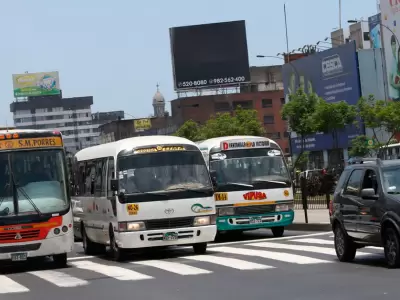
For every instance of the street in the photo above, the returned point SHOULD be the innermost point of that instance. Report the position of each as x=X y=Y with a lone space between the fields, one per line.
x=293 y=267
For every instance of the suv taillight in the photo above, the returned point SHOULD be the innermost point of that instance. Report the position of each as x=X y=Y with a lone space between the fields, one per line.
x=330 y=208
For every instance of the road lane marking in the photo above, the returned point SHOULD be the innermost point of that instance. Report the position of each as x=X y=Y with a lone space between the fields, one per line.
x=111 y=271
x=280 y=256
x=173 y=267
x=228 y=262
x=79 y=257
x=314 y=241
x=8 y=285
x=59 y=278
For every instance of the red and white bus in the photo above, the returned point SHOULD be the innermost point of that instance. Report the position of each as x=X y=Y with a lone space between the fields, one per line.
x=35 y=207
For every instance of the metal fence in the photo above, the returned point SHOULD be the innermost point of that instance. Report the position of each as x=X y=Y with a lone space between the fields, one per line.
x=304 y=201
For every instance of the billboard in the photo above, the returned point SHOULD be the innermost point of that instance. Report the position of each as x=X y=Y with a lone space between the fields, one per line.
x=332 y=75
x=142 y=124
x=374 y=24
x=209 y=55
x=36 y=84
x=390 y=15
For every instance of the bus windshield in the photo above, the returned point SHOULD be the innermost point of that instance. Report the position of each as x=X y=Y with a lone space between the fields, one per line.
x=164 y=171
x=250 y=167
x=34 y=180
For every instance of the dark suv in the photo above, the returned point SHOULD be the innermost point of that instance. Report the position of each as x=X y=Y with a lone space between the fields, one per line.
x=365 y=210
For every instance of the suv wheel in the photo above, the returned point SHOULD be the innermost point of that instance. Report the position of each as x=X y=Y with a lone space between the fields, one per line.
x=344 y=246
x=391 y=247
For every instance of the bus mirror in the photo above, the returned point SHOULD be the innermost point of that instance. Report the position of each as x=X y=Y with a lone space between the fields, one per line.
x=213 y=175
x=114 y=185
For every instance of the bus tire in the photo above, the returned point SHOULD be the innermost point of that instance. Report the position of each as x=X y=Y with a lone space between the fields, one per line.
x=278 y=231
x=89 y=247
x=117 y=254
x=60 y=260
x=200 y=248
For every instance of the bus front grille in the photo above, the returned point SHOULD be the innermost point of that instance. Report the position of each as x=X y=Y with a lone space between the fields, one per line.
x=19 y=236
x=169 y=223
x=254 y=210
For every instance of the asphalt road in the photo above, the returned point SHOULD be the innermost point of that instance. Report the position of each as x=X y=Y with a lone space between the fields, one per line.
x=296 y=267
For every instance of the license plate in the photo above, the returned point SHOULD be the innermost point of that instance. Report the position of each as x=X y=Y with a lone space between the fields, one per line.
x=19 y=256
x=170 y=236
x=256 y=220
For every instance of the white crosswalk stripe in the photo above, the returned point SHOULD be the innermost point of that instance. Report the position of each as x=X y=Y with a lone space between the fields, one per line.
x=59 y=278
x=9 y=286
x=280 y=256
x=264 y=255
x=173 y=267
x=110 y=271
x=228 y=262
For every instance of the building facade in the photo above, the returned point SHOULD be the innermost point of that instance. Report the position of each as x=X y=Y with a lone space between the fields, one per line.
x=71 y=116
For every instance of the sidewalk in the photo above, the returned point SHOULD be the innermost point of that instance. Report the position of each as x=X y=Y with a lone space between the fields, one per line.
x=318 y=220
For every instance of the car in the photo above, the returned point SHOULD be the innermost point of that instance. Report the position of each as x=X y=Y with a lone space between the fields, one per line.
x=365 y=210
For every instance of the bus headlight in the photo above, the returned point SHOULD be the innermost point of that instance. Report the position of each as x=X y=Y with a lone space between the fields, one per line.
x=131 y=226
x=226 y=211
x=283 y=207
x=201 y=221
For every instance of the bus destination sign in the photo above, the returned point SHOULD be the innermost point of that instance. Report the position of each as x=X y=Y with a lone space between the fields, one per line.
x=244 y=144
x=160 y=149
x=42 y=142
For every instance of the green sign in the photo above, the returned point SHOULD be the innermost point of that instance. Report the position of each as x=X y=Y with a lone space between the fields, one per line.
x=36 y=84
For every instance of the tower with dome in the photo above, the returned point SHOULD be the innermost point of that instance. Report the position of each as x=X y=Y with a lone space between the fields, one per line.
x=158 y=104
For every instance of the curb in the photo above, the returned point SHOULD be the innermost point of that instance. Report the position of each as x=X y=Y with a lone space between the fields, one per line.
x=310 y=227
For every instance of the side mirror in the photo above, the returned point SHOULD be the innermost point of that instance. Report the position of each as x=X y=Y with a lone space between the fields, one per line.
x=213 y=175
x=369 y=194
x=114 y=185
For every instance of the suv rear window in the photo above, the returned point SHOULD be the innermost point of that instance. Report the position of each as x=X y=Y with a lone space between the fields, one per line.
x=342 y=180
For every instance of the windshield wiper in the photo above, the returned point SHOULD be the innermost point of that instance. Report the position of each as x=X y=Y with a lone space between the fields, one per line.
x=200 y=191
x=271 y=181
x=236 y=183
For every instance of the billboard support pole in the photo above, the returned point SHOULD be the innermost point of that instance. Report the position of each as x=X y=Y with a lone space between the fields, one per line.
x=340 y=14
x=286 y=29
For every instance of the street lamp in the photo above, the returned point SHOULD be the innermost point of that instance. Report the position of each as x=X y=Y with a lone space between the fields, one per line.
x=364 y=21
x=280 y=57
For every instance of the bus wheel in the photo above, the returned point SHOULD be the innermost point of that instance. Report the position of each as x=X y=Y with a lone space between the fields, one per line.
x=60 y=260
x=117 y=253
x=90 y=247
x=200 y=248
x=278 y=231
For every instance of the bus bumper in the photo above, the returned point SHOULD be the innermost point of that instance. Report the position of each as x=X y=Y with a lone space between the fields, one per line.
x=50 y=246
x=269 y=220
x=154 y=238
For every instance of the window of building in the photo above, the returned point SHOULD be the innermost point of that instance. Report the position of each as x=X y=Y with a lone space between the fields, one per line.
x=282 y=101
x=269 y=120
x=248 y=104
x=40 y=110
x=274 y=135
x=266 y=103
x=287 y=150
x=286 y=134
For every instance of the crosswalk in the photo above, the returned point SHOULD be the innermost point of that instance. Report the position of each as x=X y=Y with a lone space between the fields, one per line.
x=245 y=256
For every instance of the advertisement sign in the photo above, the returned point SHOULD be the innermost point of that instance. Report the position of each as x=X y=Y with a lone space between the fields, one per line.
x=209 y=55
x=390 y=15
x=36 y=84
x=332 y=75
x=142 y=124
x=374 y=24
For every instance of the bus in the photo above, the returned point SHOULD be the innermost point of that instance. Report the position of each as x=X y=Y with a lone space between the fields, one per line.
x=253 y=186
x=35 y=207
x=142 y=192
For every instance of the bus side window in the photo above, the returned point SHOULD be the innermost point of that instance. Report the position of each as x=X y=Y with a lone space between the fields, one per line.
x=103 y=192
x=89 y=177
x=110 y=175
x=99 y=177
x=81 y=179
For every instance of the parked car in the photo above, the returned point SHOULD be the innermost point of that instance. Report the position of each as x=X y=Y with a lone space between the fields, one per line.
x=365 y=210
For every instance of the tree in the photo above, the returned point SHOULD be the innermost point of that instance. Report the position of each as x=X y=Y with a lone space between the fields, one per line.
x=332 y=117
x=298 y=112
x=360 y=147
x=380 y=115
x=190 y=130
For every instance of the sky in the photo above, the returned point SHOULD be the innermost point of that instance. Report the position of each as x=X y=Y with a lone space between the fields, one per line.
x=117 y=51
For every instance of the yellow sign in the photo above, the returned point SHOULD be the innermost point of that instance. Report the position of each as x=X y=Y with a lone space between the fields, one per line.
x=221 y=196
x=286 y=193
x=142 y=124
x=132 y=209
x=160 y=149
x=45 y=142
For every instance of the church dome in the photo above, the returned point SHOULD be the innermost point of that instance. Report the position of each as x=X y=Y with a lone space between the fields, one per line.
x=158 y=98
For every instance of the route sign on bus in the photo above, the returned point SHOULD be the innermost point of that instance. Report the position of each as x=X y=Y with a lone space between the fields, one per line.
x=42 y=142
x=244 y=144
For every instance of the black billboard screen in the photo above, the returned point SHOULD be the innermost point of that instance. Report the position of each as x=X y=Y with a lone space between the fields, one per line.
x=209 y=55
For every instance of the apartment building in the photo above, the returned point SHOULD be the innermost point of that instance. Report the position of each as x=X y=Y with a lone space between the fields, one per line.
x=71 y=116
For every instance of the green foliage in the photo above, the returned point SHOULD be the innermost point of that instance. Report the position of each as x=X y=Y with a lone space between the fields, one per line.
x=299 y=111
x=380 y=114
x=331 y=117
x=360 y=148
x=243 y=122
